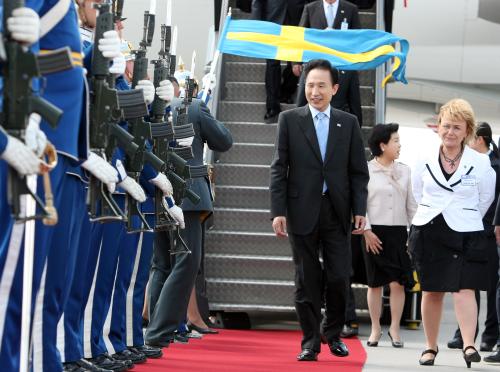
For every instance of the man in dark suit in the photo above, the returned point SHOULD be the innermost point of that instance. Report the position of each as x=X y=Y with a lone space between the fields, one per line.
x=283 y=12
x=319 y=178
x=169 y=296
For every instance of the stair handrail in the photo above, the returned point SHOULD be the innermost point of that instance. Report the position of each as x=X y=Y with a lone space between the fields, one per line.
x=209 y=154
x=380 y=72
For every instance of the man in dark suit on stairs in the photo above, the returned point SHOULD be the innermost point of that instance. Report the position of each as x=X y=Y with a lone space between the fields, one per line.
x=283 y=12
x=319 y=178
x=334 y=14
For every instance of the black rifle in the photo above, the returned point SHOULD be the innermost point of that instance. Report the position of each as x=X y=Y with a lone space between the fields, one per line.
x=19 y=67
x=140 y=129
x=105 y=113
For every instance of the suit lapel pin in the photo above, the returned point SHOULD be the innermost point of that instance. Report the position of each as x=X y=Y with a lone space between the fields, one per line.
x=342 y=11
x=339 y=125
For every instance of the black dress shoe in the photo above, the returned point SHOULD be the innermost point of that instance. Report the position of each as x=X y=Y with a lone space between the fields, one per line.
x=73 y=367
x=456 y=343
x=180 y=338
x=90 y=367
x=307 y=355
x=136 y=358
x=149 y=351
x=104 y=361
x=338 y=348
x=203 y=331
x=349 y=330
x=125 y=356
x=486 y=346
x=271 y=116
x=493 y=358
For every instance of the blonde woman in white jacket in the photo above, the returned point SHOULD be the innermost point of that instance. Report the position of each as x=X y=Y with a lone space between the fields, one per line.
x=453 y=186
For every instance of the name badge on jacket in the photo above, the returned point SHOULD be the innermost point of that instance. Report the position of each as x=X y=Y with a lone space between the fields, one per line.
x=344 y=25
x=468 y=180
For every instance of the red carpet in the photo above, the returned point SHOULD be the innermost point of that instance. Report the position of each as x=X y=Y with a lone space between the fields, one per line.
x=252 y=351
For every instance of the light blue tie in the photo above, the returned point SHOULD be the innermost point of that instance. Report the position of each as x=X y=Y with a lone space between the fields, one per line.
x=322 y=126
x=329 y=16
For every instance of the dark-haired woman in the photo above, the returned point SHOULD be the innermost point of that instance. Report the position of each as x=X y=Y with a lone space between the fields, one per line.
x=390 y=208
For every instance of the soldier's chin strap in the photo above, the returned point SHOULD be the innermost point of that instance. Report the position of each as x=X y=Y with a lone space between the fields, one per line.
x=50 y=19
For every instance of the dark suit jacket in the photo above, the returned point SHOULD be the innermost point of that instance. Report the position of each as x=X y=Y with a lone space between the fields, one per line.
x=347 y=97
x=313 y=15
x=283 y=12
x=297 y=171
x=492 y=216
x=207 y=130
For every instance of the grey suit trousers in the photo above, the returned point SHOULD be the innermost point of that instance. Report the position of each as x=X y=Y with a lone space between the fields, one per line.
x=169 y=293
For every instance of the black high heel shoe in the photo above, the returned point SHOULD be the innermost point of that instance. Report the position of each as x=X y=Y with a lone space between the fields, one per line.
x=374 y=343
x=396 y=344
x=472 y=357
x=203 y=331
x=428 y=362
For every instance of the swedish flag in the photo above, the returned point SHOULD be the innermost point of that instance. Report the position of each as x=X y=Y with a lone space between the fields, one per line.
x=345 y=49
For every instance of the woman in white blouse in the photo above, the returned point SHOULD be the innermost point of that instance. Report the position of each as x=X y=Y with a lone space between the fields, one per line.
x=390 y=208
x=454 y=187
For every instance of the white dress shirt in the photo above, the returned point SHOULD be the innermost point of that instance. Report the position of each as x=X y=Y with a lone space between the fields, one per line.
x=463 y=199
x=335 y=7
x=390 y=197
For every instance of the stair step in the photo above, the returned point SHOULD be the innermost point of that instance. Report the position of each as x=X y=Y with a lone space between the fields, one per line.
x=225 y=266
x=241 y=292
x=246 y=243
x=242 y=175
x=253 y=295
x=253 y=70
x=256 y=92
x=242 y=197
x=252 y=132
x=248 y=153
x=255 y=111
x=239 y=219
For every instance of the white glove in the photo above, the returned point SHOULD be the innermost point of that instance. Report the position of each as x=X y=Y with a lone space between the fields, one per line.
x=174 y=211
x=186 y=142
x=210 y=80
x=165 y=91
x=133 y=189
x=128 y=184
x=35 y=139
x=20 y=157
x=24 y=25
x=161 y=181
x=110 y=44
x=102 y=170
x=118 y=66
x=148 y=89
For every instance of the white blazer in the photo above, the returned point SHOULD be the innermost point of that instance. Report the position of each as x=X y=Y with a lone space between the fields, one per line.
x=463 y=199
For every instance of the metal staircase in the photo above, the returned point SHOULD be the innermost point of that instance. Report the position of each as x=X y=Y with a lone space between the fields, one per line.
x=247 y=267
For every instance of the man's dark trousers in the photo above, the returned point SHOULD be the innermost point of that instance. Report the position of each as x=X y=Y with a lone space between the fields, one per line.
x=309 y=274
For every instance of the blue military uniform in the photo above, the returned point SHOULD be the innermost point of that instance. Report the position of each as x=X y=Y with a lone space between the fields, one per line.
x=11 y=254
x=54 y=255
x=65 y=89
x=114 y=277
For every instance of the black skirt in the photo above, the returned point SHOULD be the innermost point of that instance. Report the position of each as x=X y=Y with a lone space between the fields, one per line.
x=393 y=263
x=447 y=260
